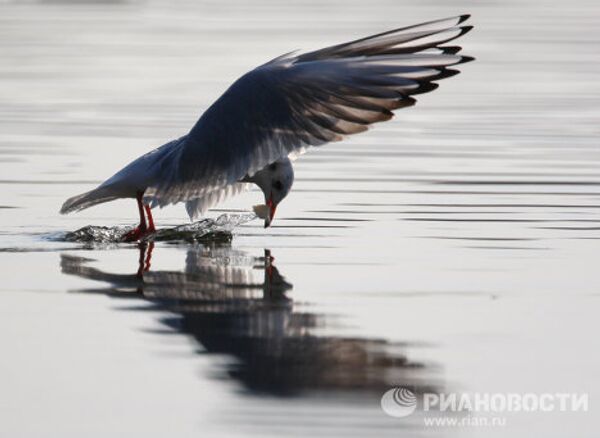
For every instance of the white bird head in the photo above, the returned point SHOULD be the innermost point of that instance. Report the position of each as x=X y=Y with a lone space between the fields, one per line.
x=275 y=180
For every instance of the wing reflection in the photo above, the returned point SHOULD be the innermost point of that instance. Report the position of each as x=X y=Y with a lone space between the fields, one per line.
x=237 y=304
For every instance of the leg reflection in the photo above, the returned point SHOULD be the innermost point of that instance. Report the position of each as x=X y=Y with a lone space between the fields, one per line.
x=145 y=258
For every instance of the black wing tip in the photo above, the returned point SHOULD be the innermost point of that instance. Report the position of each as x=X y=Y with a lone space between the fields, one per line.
x=387 y=113
x=424 y=87
x=446 y=73
x=403 y=101
x=464 y=30
x=465 y=59
x=464 y=17
x=408 y=101
x=450 y=50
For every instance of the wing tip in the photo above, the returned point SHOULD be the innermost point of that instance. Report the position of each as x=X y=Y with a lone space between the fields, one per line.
x=425 y=87
x=462 y=18
x=450 y=50
x=464 y=59
x=445 y=73
x=406 y=101
x=465 y=29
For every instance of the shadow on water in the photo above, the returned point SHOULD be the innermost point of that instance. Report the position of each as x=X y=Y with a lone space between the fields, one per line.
x=237 y=304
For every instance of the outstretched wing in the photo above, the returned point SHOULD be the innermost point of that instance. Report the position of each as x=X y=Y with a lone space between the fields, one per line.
x=293 y=102
x=198 y=206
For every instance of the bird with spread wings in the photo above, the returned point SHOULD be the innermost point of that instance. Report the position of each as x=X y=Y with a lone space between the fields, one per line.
x=275 y=112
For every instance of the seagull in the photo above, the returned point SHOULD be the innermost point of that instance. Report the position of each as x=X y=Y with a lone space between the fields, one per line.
x=273 y=113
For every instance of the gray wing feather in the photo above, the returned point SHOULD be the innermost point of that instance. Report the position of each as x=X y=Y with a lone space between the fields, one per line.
x=294 y=102
x=198 y=206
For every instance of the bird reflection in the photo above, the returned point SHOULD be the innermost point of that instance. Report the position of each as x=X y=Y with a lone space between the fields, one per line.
x=237 y=304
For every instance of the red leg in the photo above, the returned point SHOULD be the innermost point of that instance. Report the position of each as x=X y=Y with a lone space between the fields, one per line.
x=141 y=229
x=151 y=228
x=142 y=225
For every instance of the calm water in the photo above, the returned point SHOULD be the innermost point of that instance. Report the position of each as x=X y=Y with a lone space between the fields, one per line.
x=453 y=249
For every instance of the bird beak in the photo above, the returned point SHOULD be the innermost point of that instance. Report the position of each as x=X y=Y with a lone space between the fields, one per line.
x=271 y=215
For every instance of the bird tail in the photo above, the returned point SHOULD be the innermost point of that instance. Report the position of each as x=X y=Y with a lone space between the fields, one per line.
x=88 y=199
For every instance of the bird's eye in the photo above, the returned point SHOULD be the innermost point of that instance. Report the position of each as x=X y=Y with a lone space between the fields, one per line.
x=272 y=166
x=277 y=185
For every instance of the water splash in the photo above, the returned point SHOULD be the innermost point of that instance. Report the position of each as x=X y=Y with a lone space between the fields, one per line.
x=205 y=230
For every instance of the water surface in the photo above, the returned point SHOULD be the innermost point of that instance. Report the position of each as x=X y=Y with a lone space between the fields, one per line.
x=452 y=249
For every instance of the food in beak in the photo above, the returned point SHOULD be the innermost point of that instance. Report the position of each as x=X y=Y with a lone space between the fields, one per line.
x=266 y=212
x=262 y=211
